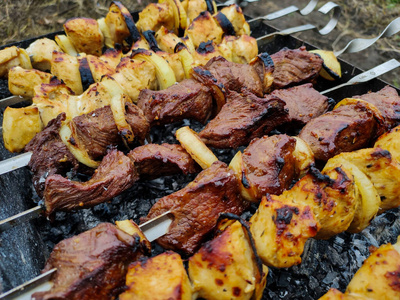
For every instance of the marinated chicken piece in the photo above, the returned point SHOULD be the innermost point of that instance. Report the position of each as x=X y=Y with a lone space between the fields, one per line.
x=387 y=101
x=85 y=35
x=187 y=100
x=243 y=118
x=304 y=103
x=116 y=173
x=120 y=24
x=239 y=49
x=93 y=264
x=378 y=277
x=228 y=267
x=280 y=229
x=22 y=81
x=12 y=57
x=66 y=68
x=390 y=141
x=159 y=277
x=134 y=75
x=197 y=207
x=99 y=67
x=346 y=128
x=155 y=15
x=152 y=160
x=267 y=165
x=175 y=63
x=294 y=67
x=49 y=155
x=97 y=130
x=204 y=28
x=225 y=75
x=167 y=40
x=194 y=8
x=383 y=171
x=204 y=53
x=40 y=52
x=235 y=15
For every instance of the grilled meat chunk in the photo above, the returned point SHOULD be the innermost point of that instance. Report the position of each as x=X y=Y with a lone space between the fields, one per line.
x=187 y=100
x=152 y=160
x=226 y=75
x=197 y=207
x=93 y=264
x=49 y=155
x=269 y=165
x=97 y=130
x=115 y=174
x=294 y=67
x=159 y=277
x=388 y=102
x=304 y=103
x=244 y=117
x=346 y=128
x=40 y=52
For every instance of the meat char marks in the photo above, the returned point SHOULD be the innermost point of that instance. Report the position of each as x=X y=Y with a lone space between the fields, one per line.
x=294 y=67
x=197 y=207
x=187 y=100
x=115 y=174
x=244 y=117
x=93 y=264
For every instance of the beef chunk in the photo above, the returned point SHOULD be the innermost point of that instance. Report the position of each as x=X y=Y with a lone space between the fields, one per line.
x=197 y=207
x=49 y=155
x=244 y=117
x=115 y=174
x=388 y=102
x=304 y=103
x=345 y=129
x=269 y=165
x=187 y=100
x=92 y=265
x=294 y=67
x=152 y=160
x=97 y=130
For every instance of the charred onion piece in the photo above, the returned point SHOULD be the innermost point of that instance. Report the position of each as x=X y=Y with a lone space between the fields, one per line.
x=225 y=24
x=186 y=59
x=180 y=16
x=331 y=69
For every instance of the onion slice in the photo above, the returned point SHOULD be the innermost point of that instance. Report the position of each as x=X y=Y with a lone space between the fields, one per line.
x=66 y=45
x=186 y=59
x=180 y=16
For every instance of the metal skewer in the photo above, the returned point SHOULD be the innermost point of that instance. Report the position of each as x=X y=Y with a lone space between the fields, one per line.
x=152 y=229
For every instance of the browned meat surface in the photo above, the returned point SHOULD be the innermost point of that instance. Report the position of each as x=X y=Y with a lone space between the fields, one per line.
x=304 y=103
x=187 y=100
x=152 y=160
x=97 y=130
x=49 y=155
x=345 y=129
x=92 y=265
x=268 y=164
x=388 y=102
x=244 y=117
x=229 y=75
x=115 y=174
x=197 y=207
x=294 y=67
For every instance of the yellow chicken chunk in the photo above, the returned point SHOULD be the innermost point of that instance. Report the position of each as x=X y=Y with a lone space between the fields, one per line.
x=85 y=35
x=204 y=28
x=12 y=57
x=235 y=14
x=66 y=68
x=40 y=52
x=390 y=141
x=22 y=82
x=154 y=16
x=159 y=277
x=226 y=268
x=240 y=49
x=14 y=120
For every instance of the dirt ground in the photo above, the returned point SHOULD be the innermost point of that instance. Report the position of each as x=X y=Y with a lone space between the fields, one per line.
x=360 y=19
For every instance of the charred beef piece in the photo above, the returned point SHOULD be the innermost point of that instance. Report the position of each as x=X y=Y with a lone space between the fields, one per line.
x=49 y=155
x=152 y=160
x=244 y=117
x=388 y=102
x=115 y=174
x=346 y=128
x=92 y=265
x=304 y=103
x=197 y=207
x=269 y=164
x=229 y=75
x=97 y=130
x=187 y=100
x=294 y=67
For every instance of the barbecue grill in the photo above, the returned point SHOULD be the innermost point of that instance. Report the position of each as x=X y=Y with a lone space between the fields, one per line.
x=332 y=263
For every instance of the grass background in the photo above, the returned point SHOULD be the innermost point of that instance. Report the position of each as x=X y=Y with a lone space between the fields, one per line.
x=360 y=19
